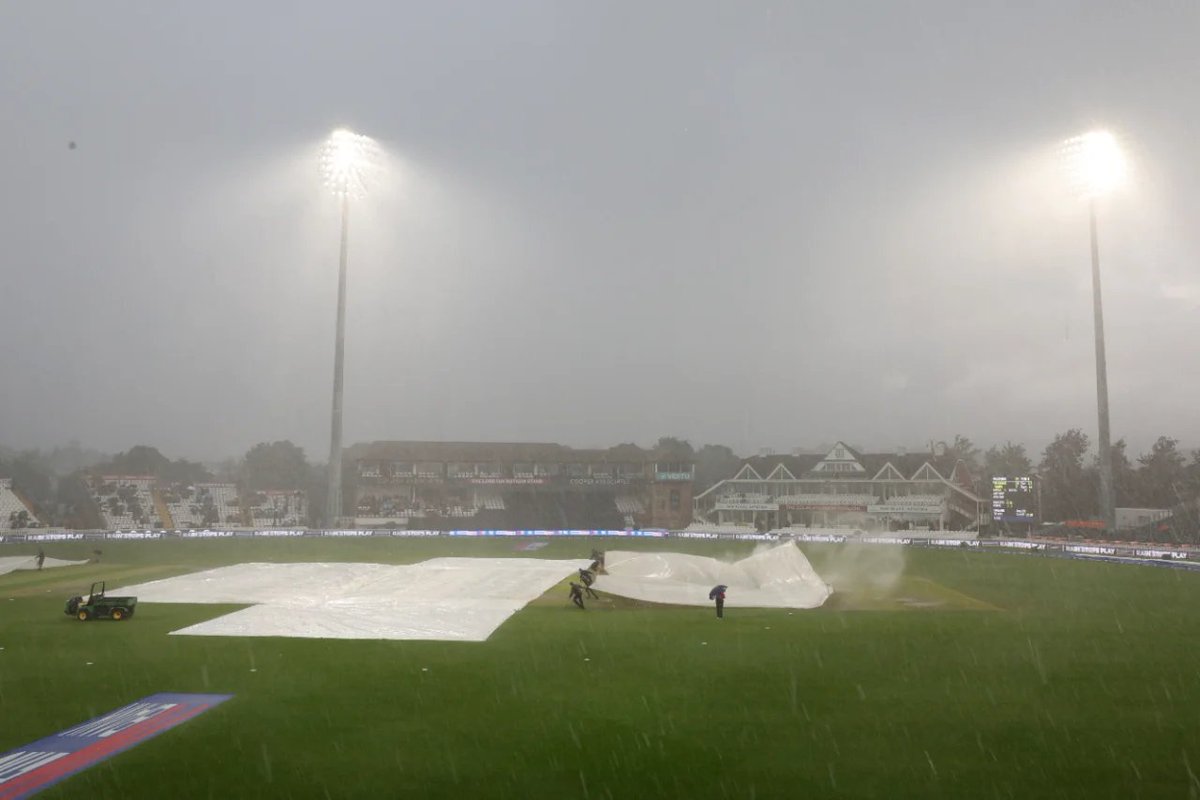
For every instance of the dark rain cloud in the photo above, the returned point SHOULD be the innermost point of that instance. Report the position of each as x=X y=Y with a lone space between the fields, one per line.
x=757 y=223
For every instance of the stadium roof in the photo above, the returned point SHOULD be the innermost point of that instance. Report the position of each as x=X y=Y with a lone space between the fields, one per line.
x=544 y=452
x=803 y=466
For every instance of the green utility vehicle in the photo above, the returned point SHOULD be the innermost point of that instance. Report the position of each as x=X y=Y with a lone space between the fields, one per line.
x=99 y=606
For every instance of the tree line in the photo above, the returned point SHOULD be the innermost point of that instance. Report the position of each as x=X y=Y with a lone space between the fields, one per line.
x=55 y=481
x=1069 y=473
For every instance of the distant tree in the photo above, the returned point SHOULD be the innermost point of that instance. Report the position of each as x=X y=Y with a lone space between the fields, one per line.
x=226 y=471
x=965 y=450
x=1009 y=460
x=317 y=488
x=714 y=462
x=79 y=509
x=1193 y=475
x=64 y=461
x=184 y=471
x=1066 y=491
x=32 y=479
x=275 y=465
x=1127 y=489
x=671 y=447
x=1162 y=476
x=138 y=460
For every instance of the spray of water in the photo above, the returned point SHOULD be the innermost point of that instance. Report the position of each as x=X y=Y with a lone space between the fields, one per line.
x=858 y=568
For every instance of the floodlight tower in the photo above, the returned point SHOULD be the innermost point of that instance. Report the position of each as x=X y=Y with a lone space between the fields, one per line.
x=347 y=160
x=1098 y=166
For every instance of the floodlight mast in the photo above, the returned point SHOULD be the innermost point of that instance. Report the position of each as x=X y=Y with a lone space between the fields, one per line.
x=1098 y=167
x=346 y=161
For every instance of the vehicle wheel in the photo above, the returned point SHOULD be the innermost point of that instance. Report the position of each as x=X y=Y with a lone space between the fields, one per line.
x=83 y=615
x=118 y=614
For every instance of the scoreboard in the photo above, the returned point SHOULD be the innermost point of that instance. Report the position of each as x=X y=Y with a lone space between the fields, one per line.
x=1014 y=499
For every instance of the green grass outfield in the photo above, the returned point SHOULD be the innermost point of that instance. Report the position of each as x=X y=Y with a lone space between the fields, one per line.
x=978 y=675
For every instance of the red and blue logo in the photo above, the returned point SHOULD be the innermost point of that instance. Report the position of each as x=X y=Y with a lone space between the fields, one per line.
x=31 y=768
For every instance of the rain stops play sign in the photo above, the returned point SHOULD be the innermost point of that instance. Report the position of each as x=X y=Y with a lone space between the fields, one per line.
x=31 y=768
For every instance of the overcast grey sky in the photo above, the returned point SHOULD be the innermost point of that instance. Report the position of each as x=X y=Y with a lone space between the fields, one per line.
x=762 y=224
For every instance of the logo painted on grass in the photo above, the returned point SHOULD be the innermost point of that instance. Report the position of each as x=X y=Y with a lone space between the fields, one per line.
x=31 y=768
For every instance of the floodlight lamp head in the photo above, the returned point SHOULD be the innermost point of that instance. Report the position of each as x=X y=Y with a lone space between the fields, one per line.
x=348 y=163
x=1095 y=163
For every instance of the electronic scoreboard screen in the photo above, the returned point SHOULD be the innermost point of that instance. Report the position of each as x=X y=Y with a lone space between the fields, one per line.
x=1014 y=499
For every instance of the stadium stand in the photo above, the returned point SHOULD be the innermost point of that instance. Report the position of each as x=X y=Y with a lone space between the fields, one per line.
x=831 y=500
x=282 y=508
x=629 y=505
x=519 y=486
x=126 y=502
x=844 y=488
x=204 y=505
x=1180 y=526
x=14 y=512
x=490 y=501
x=916 y=499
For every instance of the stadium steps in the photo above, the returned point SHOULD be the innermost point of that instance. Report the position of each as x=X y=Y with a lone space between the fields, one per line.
x=29 y=505
x=164 y=513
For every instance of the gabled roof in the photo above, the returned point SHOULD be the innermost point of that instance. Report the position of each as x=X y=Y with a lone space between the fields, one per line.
x=961 y=476
x=927 y=473
x=801 y=466
x=797 y=465
x=781 y=473
x=747 y=473
x=888 y=473
x=850 y=451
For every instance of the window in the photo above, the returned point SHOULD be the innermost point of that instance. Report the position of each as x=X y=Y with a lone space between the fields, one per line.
x=458 y=469
x=674 y=499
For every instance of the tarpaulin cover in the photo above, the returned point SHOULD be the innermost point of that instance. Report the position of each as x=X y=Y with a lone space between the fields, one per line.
x=779 y=577
x=457 y=599
x=13 y=563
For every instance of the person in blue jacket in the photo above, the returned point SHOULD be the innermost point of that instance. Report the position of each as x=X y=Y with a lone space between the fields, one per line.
x=718 y=594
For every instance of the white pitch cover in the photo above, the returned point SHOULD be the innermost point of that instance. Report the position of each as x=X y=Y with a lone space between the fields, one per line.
x=448 y=599
x=14 y=563
x=778 y=577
